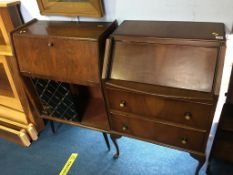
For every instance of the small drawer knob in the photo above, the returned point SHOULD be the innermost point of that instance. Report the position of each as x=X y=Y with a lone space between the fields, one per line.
x=184 y=141
x=125 y=128
x=188 y=116
x=22 y=31
x=123 y=104
x=50 y=44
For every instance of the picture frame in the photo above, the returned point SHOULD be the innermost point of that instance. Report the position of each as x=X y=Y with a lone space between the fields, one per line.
x=88 y=8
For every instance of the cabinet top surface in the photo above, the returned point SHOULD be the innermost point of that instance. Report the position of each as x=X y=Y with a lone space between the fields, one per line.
x=8 y=3
x=79 y=30
x=172 y=29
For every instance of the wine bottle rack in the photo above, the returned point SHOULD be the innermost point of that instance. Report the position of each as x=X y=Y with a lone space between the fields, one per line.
x=56 y=99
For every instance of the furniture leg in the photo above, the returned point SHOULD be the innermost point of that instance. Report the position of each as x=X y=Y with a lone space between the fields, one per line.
x=201 y=161
x=200 y=164
x=208 y=169
x=106 y=140
x=114 y=138
x=52 y=127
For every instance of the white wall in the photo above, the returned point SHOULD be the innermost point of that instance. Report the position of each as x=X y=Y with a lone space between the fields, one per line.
x=174 y=10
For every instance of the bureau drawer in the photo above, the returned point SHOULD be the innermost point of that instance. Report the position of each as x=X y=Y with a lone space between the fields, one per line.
x=62 y=59
x=187 y=113
x=165 y=134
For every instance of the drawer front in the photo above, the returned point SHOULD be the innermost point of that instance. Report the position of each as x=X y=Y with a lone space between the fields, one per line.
x=165 y=134
x=66 y=60
x=187 y=113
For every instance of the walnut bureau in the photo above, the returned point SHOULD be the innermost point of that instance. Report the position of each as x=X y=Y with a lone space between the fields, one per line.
x=18 y=121
x=161 y=81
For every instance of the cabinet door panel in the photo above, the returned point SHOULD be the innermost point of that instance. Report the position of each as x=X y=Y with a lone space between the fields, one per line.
x=67 y=60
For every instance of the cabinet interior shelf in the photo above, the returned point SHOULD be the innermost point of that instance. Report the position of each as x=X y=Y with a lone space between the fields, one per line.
x=71 y=104
x=94 y=117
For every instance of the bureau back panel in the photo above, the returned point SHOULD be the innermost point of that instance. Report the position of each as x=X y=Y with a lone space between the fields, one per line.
x=186 y=67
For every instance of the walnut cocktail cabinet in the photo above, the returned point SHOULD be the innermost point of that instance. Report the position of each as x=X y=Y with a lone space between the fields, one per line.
x=18 y=122
x=161 y=81
x=62 y=66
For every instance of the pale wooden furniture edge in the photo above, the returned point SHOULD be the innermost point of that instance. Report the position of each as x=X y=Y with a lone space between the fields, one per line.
x=9 y=3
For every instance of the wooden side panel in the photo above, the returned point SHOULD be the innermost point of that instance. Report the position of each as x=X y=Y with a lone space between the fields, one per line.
x=12 y=99
x=22 y=96
x=2 y=41
x=5 y=87
x=219 y=70
x=14 y=106
x=13 y=115
x=107 y=59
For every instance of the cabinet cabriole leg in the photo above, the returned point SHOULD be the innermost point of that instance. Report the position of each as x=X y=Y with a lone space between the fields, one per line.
x=106 y=140
x=114 y=138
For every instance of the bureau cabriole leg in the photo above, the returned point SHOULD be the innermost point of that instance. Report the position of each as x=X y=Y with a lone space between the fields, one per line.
x=114 y=138
x=201 y=161
x=106 y=140
x=200 y=164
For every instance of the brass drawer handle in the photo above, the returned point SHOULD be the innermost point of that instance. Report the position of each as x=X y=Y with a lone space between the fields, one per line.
x=184 y=141
x=123 y=104
x=188 y=116
x=125 y=128
x=50 y=44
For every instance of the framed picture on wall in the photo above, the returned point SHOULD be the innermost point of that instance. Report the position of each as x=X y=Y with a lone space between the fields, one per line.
x=89 y=8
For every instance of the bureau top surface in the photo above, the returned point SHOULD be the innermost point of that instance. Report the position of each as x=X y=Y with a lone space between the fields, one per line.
x=78 y=30
x=172 y=29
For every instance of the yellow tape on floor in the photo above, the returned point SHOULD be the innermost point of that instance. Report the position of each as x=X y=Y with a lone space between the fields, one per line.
x=68 y=164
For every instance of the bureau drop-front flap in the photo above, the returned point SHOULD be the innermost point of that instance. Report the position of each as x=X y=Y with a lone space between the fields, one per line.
x=64 y=51
x=172 y=54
